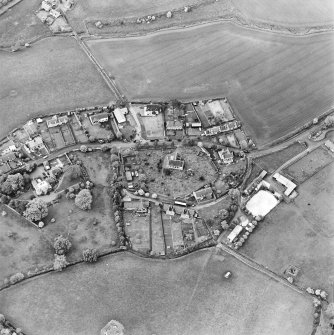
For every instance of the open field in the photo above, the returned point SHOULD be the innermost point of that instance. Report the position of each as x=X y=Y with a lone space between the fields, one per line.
x=221 y=59
x=310 y=164
x=185 y=296
x=273 y=161
x=288 y=12
x=300 y=234
x=52 y=76
x=21 y=24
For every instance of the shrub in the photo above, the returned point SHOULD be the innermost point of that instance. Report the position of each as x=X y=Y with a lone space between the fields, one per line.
x=36 y=210
x=61 y=245
x=84 y=199
x=16 y=278
x=2 y=319
x=60 y=262
x=89 y=255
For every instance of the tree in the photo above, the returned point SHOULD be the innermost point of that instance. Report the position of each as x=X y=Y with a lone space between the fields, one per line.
x=84 y=199
x=36 y=210
x=113 y=158
x=62 y=245
x=89 y=255
x=92 y=138
x=75 y=171
x=83 y=148
x=60 y=262
x=201 y=178
x=18 y=205
x=330 y=310
x=12 y=184
x=56 y=171
x=329 y=121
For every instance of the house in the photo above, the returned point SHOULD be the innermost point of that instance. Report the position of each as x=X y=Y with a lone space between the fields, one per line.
x=9 y=147
x=30 y=128
x=173 y=162
x=169 y=209
x=46 y=6
x=174 y=125
x=56 y=121
x=120 y=114
x=290 y=186
x=128 y=175
x=212 y=131
x=136 y=205
x=226 y=156
x=54 y=13
x=234 y=233
x=203 y=194
x=41 y=187
x=329 y=145
x=99 y=118
x=35 y=144
x=151 y=110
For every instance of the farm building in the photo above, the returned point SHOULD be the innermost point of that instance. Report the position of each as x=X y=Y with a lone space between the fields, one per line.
x=234 y=233
x=329 y=145
x=120 y=114
x=290 y=186
x=262 y=203
x=99 y=118
x=203 y=194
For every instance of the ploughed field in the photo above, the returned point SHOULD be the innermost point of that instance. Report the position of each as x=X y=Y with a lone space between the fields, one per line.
x=288 y=12
x=53 y=75
x=187 y=296
x=276 y=83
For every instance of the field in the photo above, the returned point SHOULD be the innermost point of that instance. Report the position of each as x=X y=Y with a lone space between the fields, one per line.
x=53 y=75
x=221 y=59
x=185 y=296
x=21 y=24
x=300 y=234
x=310 y=164
x=273 y=161
x=288 y=12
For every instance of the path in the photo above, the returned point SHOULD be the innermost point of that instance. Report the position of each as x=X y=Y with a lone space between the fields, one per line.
x=252 y=264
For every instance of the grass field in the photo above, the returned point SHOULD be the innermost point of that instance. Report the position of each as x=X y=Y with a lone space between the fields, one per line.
x=288 y=12
x=273 y=161
x=300 y=233
x=186 y=296
x=52 y=76
x=310 y=164
x=21 y=24
x=267 y=78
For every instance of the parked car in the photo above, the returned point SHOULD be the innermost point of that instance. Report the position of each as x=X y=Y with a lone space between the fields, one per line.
x=227 y=274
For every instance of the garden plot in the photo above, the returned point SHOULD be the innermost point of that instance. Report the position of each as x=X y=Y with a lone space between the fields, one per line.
x=57 y=137
x=167 y=228
x=309 y=165
x=79 y=133
x=99 y=131
x=158 y=241
x=67 y=134
x=153 y=126
x=201 y=231
x=137 y=228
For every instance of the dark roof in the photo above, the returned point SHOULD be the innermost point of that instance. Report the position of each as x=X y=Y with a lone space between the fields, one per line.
x=176 y=163
x=154 y=108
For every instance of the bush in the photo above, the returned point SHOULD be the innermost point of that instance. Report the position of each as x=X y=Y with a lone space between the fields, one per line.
x=36 y=210
x=62 y=245
x=89 y=255
x=16 y=278
x=60 y=262
x=84 y=199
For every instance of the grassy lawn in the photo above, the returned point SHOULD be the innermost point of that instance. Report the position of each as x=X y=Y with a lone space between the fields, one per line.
x=21 y=24
x=178 y=184
x=56 y=65
x=191 y=63
x=185 y=296
x=310 y=164
x=273 y=161
x=300 y=233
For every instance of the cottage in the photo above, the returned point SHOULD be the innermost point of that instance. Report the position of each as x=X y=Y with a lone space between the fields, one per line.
x=203 y=194
x=120 y=114
x=99 y=118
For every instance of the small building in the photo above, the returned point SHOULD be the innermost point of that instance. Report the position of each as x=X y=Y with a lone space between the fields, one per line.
x=212 y=131
x=56 y=121
x=41 y=187
x=54 y=13
x=9 y=147
x=290 y=186
x=234 y=233
x=136 y=205
x=113 y=327
x=99 y=118
x=173 y=162
x=203 y=194
x=329 y=145
x=128 y=175
x=46 y=6
x=35 y=144
x=30 y=128
x=151 y=110
x=120 y=114
x=226 y=156
x=169 y=209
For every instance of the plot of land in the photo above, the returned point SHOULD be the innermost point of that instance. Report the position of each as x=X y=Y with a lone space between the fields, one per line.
x=288 y=12
x=310 y=164
x=273 y=161
x=300 y=234
x=54 y=75
x=153 y=126
x=225 y=60
x=158 y=242
x=186 y=296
